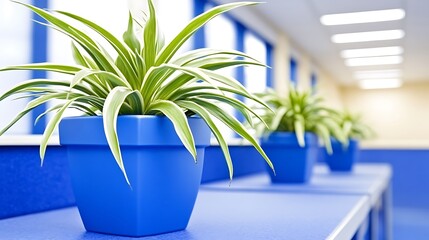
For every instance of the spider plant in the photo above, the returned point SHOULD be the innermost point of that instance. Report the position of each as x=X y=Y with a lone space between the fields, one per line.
x=145 y=77
x=352 y=126
x=298 y=112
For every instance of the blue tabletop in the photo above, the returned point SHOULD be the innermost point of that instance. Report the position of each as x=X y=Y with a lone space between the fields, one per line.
x=368 y=179
x=224 y=214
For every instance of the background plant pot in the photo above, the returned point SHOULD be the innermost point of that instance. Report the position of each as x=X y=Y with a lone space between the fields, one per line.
x=293 y=164
x=163 y=175
x=245 y=157
x=342 y=159
x=25 y=187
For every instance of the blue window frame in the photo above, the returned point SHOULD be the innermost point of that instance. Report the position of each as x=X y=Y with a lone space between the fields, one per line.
x=39 y=53
x=293 y=66
x=199 y=37
x=269 y=62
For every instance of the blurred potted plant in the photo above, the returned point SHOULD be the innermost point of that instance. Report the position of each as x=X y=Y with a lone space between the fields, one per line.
x=345 y=155
x=291 y=142
x=149 y=110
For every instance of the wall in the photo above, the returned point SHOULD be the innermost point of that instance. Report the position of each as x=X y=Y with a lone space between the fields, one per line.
x=330 y=90
x=327 y=86
x=397 y=115
x=281 y=63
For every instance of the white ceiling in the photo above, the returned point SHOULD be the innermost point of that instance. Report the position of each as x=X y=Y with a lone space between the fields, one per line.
x=299 y=19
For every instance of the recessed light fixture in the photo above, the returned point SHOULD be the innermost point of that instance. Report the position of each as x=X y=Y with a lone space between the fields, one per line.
x=368 y=36
x=354 y=62
x=372 y=52
x=380 y=83
x=362 y=17
x=388 y=73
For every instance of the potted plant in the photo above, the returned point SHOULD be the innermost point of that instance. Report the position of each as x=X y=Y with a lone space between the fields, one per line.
x=291 y=142
x=136 y=154
x=345 y=155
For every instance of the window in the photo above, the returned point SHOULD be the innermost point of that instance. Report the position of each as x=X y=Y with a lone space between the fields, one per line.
x=59 y=49
x=15 y=49
x=60 y=45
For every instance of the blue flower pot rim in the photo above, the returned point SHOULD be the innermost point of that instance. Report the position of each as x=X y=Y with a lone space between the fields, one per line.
x=289 y=138
x=132 y=130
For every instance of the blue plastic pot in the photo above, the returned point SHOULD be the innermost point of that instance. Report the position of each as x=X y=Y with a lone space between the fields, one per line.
x=163 y=175
x=343 y=159
x=293 y=164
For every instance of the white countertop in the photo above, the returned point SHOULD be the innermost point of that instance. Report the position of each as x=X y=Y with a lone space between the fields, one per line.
x=27 y=140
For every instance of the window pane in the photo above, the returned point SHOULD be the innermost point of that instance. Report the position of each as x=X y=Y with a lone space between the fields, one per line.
x=59 y=49
x=255 y=76
x=173 y=16
x=221 y=34
x=15 y=49
x=60 y=45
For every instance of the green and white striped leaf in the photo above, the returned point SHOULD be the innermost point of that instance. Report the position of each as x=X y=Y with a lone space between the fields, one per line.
x=204 y=114
x=150 y=30
x=234 y=125
x=300 y=131
x=52 y=125
x=180 y=122
x=112 y=106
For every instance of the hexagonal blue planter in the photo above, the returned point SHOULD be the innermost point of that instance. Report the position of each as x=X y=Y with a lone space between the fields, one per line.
x=163 y=175
x=293 y=164
x=343 y=159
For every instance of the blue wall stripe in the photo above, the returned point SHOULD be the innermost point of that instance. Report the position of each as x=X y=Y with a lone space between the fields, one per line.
x=410 y=174
x=39 y=54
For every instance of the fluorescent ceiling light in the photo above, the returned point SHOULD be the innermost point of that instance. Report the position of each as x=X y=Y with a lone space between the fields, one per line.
x=354 y=62
x=390 y=73
x=372 y=52
x=363 y=17
x=368 y=36
x=380 y=83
